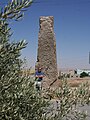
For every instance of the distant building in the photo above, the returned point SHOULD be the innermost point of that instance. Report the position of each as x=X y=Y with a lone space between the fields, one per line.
x=84 y=70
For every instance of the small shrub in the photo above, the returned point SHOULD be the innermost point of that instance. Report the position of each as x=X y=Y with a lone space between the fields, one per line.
x=84 y=74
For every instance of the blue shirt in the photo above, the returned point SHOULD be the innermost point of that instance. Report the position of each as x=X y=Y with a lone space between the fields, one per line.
x=39 y=76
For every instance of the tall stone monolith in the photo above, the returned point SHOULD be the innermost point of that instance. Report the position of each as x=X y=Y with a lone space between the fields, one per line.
x=46 y=56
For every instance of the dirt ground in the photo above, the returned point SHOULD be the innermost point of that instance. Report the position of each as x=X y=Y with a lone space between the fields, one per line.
x=73 y=82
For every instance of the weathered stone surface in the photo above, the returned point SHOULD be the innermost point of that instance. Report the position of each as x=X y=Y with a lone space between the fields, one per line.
x=46 y=57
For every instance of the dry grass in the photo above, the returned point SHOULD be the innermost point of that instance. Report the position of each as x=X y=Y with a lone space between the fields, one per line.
x=72 y=83
x=75 y=82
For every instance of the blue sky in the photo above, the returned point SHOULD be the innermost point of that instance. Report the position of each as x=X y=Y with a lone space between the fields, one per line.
x=71 y=27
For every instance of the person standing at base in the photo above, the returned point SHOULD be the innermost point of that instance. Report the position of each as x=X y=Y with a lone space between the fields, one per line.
x=38 y=78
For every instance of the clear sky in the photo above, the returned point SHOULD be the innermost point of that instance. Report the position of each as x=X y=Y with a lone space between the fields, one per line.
x=71 y=27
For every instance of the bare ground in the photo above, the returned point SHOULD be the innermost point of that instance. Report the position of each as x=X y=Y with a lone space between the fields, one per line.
x=73 y=82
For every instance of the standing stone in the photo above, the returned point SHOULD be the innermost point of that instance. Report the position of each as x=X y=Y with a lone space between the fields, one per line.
x=46 y=57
